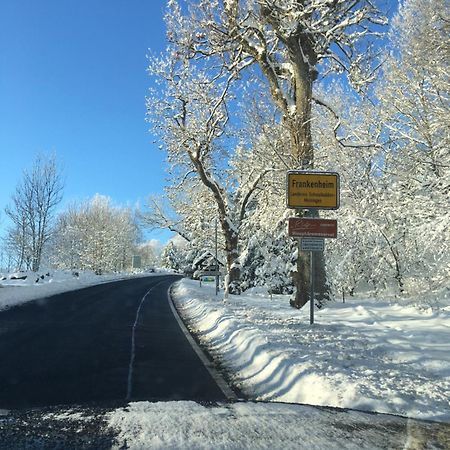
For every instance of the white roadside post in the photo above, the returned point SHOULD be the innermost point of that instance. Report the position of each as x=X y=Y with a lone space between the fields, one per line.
x=312 y=190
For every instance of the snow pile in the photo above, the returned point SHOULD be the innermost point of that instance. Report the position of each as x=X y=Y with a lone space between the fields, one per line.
x=20 y=287
x=188 y=425
x=364 y=354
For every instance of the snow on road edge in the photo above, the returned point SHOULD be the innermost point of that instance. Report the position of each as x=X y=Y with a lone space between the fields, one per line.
x=16 y=292
x=188 y=425
x=368 y=355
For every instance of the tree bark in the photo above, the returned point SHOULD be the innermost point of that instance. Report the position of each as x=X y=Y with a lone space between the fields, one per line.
x=232 y=252
x=299 y=125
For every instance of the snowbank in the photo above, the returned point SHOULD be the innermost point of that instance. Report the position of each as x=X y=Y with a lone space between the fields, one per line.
x=365 y=354
x=240 y=426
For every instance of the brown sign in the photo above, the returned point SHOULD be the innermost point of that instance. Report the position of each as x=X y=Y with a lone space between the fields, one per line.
x=309 y=227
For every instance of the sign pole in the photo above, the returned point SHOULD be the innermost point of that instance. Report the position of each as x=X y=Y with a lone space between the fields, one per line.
x=311 y=282
x=311 y=190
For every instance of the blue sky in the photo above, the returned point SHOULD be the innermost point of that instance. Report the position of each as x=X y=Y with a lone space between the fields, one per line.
x=73 y=81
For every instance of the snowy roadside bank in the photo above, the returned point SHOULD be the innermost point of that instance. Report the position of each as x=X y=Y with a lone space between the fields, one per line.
x=15 y=291
x=365 y=354
x=185 y=425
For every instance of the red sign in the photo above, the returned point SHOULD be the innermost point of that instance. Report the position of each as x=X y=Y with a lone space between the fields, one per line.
x=308 y=227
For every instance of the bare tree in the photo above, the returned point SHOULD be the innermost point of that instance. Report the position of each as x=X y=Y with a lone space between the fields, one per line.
x=32 y=211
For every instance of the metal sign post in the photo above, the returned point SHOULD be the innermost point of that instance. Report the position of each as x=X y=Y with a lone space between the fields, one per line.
x=312 y=245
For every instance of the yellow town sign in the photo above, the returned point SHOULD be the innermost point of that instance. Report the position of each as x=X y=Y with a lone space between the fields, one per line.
x=312 y=190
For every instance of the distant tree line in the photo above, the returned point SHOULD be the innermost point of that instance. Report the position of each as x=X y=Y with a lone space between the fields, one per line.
x=95 y=235
x=91 y=235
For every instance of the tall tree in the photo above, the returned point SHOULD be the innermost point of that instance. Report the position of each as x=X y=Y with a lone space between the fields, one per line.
x=394 y=215
x=32 y=211
x=293 y=43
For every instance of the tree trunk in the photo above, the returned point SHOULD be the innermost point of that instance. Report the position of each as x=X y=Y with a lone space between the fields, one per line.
x=230 y=232
x=234 y=273
x=299 y=125
x=232 y=285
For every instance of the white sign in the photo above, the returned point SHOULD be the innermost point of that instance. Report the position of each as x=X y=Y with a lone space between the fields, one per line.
x=312 y=244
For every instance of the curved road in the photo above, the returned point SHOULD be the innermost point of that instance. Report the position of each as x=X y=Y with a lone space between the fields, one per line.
x=102 y=346
x=109 y=343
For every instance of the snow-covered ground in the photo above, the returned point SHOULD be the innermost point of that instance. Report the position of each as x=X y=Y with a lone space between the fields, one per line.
x=14 y=291
x=240 y=426
x=365 y=354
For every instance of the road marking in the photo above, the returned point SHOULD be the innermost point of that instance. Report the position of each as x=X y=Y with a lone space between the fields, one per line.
x=217 y=377
x=133 y=341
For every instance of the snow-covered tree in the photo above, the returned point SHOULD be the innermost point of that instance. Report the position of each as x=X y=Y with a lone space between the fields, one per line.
x=96 y=236
x=293 y=44
x=149 y=251
x=393 y=211
x=178 y=254
x=191 y=116
x=188 y=209
x=415 y=99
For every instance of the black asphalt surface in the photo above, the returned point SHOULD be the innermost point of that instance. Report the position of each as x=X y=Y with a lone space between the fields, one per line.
x=76 y=348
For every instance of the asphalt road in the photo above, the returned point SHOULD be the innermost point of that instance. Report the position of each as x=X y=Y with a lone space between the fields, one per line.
x=68 y=361
x=109 y=343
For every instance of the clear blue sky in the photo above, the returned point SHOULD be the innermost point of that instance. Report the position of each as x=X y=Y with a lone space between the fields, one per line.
x=73 y=81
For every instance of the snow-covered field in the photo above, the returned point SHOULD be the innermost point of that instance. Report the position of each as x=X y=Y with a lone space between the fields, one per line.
x=14 y=291
x=365 y=354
